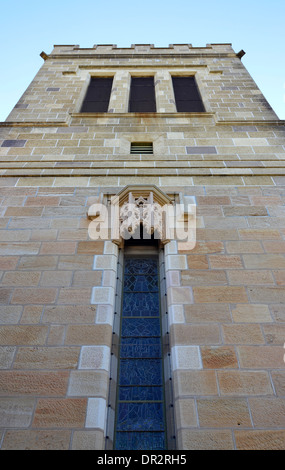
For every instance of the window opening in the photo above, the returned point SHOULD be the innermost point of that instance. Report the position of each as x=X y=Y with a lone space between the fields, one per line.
x=140 y=410
x=98 y=95
x=142 y=95
x=145 y=148
x=187 y=95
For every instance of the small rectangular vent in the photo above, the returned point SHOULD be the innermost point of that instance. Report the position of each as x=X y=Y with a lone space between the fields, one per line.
x=141 y=148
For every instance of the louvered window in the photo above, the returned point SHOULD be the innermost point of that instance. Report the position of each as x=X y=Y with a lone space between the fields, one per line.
x=98 y=95
x=187 y=95
x=141 y=148
x=142 y=95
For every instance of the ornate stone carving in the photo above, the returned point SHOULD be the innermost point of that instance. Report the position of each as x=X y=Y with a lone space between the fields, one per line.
x=140 y=211
x=141 y=206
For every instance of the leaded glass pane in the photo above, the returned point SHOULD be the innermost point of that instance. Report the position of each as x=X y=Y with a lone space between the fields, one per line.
x=140 y=372
x=140 y=417
x=140 y=407
x=141 y=304
x=140 y=347
x=141 y=283
x=141 y=393
x=140 y=441
x=137 y=327
x=140 y=266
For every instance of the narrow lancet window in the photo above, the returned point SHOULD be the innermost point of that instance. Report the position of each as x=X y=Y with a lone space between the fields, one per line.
x=140 y=410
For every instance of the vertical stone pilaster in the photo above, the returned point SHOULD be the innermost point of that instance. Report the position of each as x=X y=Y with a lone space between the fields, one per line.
x=94 y=367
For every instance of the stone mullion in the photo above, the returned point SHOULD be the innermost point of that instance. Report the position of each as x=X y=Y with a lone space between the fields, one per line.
x=120 y=93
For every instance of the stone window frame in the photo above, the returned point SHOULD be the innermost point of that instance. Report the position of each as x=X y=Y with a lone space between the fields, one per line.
x=200 y=86
x=86 y=74
x=88 y=78
x=142 y=75
x=174 y=296
x=157 y=253
x=166 y=318
x=149 y=72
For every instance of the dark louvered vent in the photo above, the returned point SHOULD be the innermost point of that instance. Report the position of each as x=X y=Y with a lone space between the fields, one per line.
x=141 y=148
x=98 y=95
x=142 y=95
x=187 y=95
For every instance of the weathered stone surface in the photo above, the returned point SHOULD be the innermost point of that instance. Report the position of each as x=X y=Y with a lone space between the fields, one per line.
x=224 y=291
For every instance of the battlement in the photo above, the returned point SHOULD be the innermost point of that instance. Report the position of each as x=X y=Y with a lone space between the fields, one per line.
x=222 y=48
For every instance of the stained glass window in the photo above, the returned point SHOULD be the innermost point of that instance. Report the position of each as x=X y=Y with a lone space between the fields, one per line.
x=140 y=420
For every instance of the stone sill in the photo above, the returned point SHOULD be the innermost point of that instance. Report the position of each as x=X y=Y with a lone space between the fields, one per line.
x=143 y=172
x=228 y=122
x=144 y=115
x=33 y=124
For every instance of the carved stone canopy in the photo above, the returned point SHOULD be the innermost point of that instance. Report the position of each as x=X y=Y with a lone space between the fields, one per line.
x=140 y=212
x=142 y=191
x=141 y=206
x=122 y=216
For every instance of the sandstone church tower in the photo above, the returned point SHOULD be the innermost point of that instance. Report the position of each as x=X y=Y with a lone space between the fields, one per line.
x=142 y=254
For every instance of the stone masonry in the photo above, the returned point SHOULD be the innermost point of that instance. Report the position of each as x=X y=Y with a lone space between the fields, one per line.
x=225 y=297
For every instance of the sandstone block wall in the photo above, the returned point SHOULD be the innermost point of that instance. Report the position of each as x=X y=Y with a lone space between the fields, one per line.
x=225 y=298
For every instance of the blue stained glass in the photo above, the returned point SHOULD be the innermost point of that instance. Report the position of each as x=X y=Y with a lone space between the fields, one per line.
x=140 y=441
x=141 y=393
x=141 y=283
x=139 y=327
x=140 y=347
x=140 y=372
x=140 y=409
x=140 y=304
x=140 y=266
x=140 y=417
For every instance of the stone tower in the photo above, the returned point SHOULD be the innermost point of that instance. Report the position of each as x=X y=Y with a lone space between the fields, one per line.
x=156 y=341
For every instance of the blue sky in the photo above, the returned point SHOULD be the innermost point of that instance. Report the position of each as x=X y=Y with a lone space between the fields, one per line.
x=29 y=27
